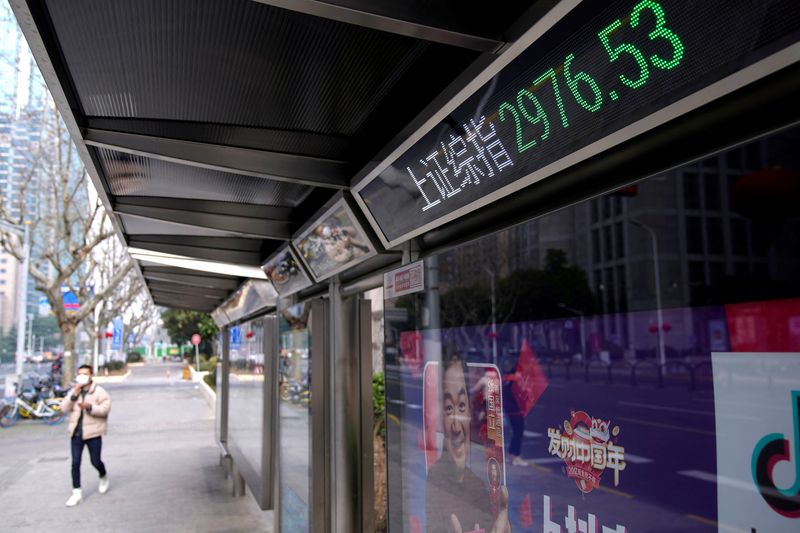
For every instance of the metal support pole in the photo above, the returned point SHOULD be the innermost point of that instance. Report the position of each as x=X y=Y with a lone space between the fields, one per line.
x=662 y=356
x=22 y=301
x=196 y=358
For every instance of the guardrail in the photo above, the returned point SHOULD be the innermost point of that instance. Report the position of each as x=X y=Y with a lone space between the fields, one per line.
x=640 y=372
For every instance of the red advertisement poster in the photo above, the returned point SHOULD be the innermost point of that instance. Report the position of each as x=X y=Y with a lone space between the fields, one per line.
x=463 y=429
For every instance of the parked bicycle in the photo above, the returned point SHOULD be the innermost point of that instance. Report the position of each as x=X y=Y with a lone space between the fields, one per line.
x=46 y=409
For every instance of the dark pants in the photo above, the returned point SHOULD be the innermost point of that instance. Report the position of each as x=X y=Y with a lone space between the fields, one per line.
x=517 y=429
x=94 y=445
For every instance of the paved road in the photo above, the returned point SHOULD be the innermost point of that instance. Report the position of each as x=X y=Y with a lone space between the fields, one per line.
x=161 y=458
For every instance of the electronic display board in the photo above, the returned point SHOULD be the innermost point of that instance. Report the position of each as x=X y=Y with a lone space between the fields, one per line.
x=602 y=69
x=285 y=272
x=334 y=242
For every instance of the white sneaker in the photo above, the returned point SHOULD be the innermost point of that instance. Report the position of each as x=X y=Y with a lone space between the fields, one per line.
x=103 y=485
x=76 y=498
x=519 y=461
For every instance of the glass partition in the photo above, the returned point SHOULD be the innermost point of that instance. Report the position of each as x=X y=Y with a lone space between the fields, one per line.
x=629 y=363
x=246 y=399
x=295 y=418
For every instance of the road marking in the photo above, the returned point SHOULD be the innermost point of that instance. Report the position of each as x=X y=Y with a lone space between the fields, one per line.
x=721 y=480
x=629 y=458
x=545 y=460
x=615 y=492
x=637 y=459
x=542 y=469
x=413 y=406
x=531 y=434
x=725 y=527
x=668 y=426
x=684 y=410
x=662 y=408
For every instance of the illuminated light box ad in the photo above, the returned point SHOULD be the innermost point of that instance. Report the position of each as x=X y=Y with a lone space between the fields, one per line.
x=333 y=243
x=594 y=455
x=603 y=67
x=286 y=273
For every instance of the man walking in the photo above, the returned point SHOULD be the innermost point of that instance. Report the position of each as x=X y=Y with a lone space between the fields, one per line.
x=88 y=405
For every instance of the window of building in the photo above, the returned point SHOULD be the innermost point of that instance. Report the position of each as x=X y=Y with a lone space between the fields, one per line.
x=691 y=190
x=739 y=236
x=694 y=235
x=716 y=240
x=620 y=239
x=712 y=193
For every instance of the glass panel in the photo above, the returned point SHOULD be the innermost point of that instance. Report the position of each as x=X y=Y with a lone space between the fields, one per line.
x=246 y=400
x=555 y=394
x=295 y=418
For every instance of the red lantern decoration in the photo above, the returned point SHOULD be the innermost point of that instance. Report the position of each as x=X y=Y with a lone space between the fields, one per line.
x=667 y=327
x=250 y=335
x=109 y=334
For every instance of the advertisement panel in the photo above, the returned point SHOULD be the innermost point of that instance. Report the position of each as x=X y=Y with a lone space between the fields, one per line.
x=757 y=404
x=523 y=449
x=333 y=243
x=286 y=273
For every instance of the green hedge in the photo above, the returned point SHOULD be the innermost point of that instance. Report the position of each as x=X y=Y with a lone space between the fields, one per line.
x=211 y=378
x=114 y=365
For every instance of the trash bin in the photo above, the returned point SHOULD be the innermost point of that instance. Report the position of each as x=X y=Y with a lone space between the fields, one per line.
x=187 y=374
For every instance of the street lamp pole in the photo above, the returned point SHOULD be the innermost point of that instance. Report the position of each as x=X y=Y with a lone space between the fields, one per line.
x=659 y=317
x=494 y=317
x=582 y=334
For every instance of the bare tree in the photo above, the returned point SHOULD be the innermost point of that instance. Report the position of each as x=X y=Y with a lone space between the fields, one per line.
x=67 y=223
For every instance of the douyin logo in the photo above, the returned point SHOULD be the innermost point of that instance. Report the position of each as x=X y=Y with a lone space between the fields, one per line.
x=771 y=450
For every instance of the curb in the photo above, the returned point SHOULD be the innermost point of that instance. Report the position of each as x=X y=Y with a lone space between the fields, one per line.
x=208 y=393
x=112 y=379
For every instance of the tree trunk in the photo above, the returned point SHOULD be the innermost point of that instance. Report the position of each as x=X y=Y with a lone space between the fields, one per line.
x=70 y=356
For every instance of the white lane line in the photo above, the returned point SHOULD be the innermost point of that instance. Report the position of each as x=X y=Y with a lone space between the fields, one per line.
x=721 y=480
x=637 y=459
x=545 y=460
x=686 y=411
x=663 y=408
x=629 y=458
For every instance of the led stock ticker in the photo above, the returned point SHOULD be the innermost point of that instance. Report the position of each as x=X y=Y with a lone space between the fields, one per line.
x=604 y=66
x=578 y=82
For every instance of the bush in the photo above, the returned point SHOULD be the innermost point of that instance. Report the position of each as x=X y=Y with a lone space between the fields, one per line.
x=134 y=357
x=211 y=378
x=114 y=365
x=378 y=403
x=209 y=365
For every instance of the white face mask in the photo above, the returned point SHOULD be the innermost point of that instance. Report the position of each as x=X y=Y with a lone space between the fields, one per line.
x=82 y=379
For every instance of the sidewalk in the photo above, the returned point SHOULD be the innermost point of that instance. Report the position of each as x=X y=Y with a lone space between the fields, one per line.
x=162 y=463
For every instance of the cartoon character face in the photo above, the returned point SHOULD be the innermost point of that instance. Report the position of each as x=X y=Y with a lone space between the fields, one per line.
x=599 y=430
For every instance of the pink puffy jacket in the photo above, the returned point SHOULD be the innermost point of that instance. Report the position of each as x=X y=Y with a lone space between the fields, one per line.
x=95 y=422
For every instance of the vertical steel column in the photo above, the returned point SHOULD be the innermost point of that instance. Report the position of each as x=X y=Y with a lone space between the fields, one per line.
x=269 y=419
x=366 y=426
x=350 y=412
x=225 y=381
x=320 y=420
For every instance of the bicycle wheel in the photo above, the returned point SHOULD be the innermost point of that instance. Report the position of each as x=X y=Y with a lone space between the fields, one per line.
x=58 y=415
x=8 y=415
